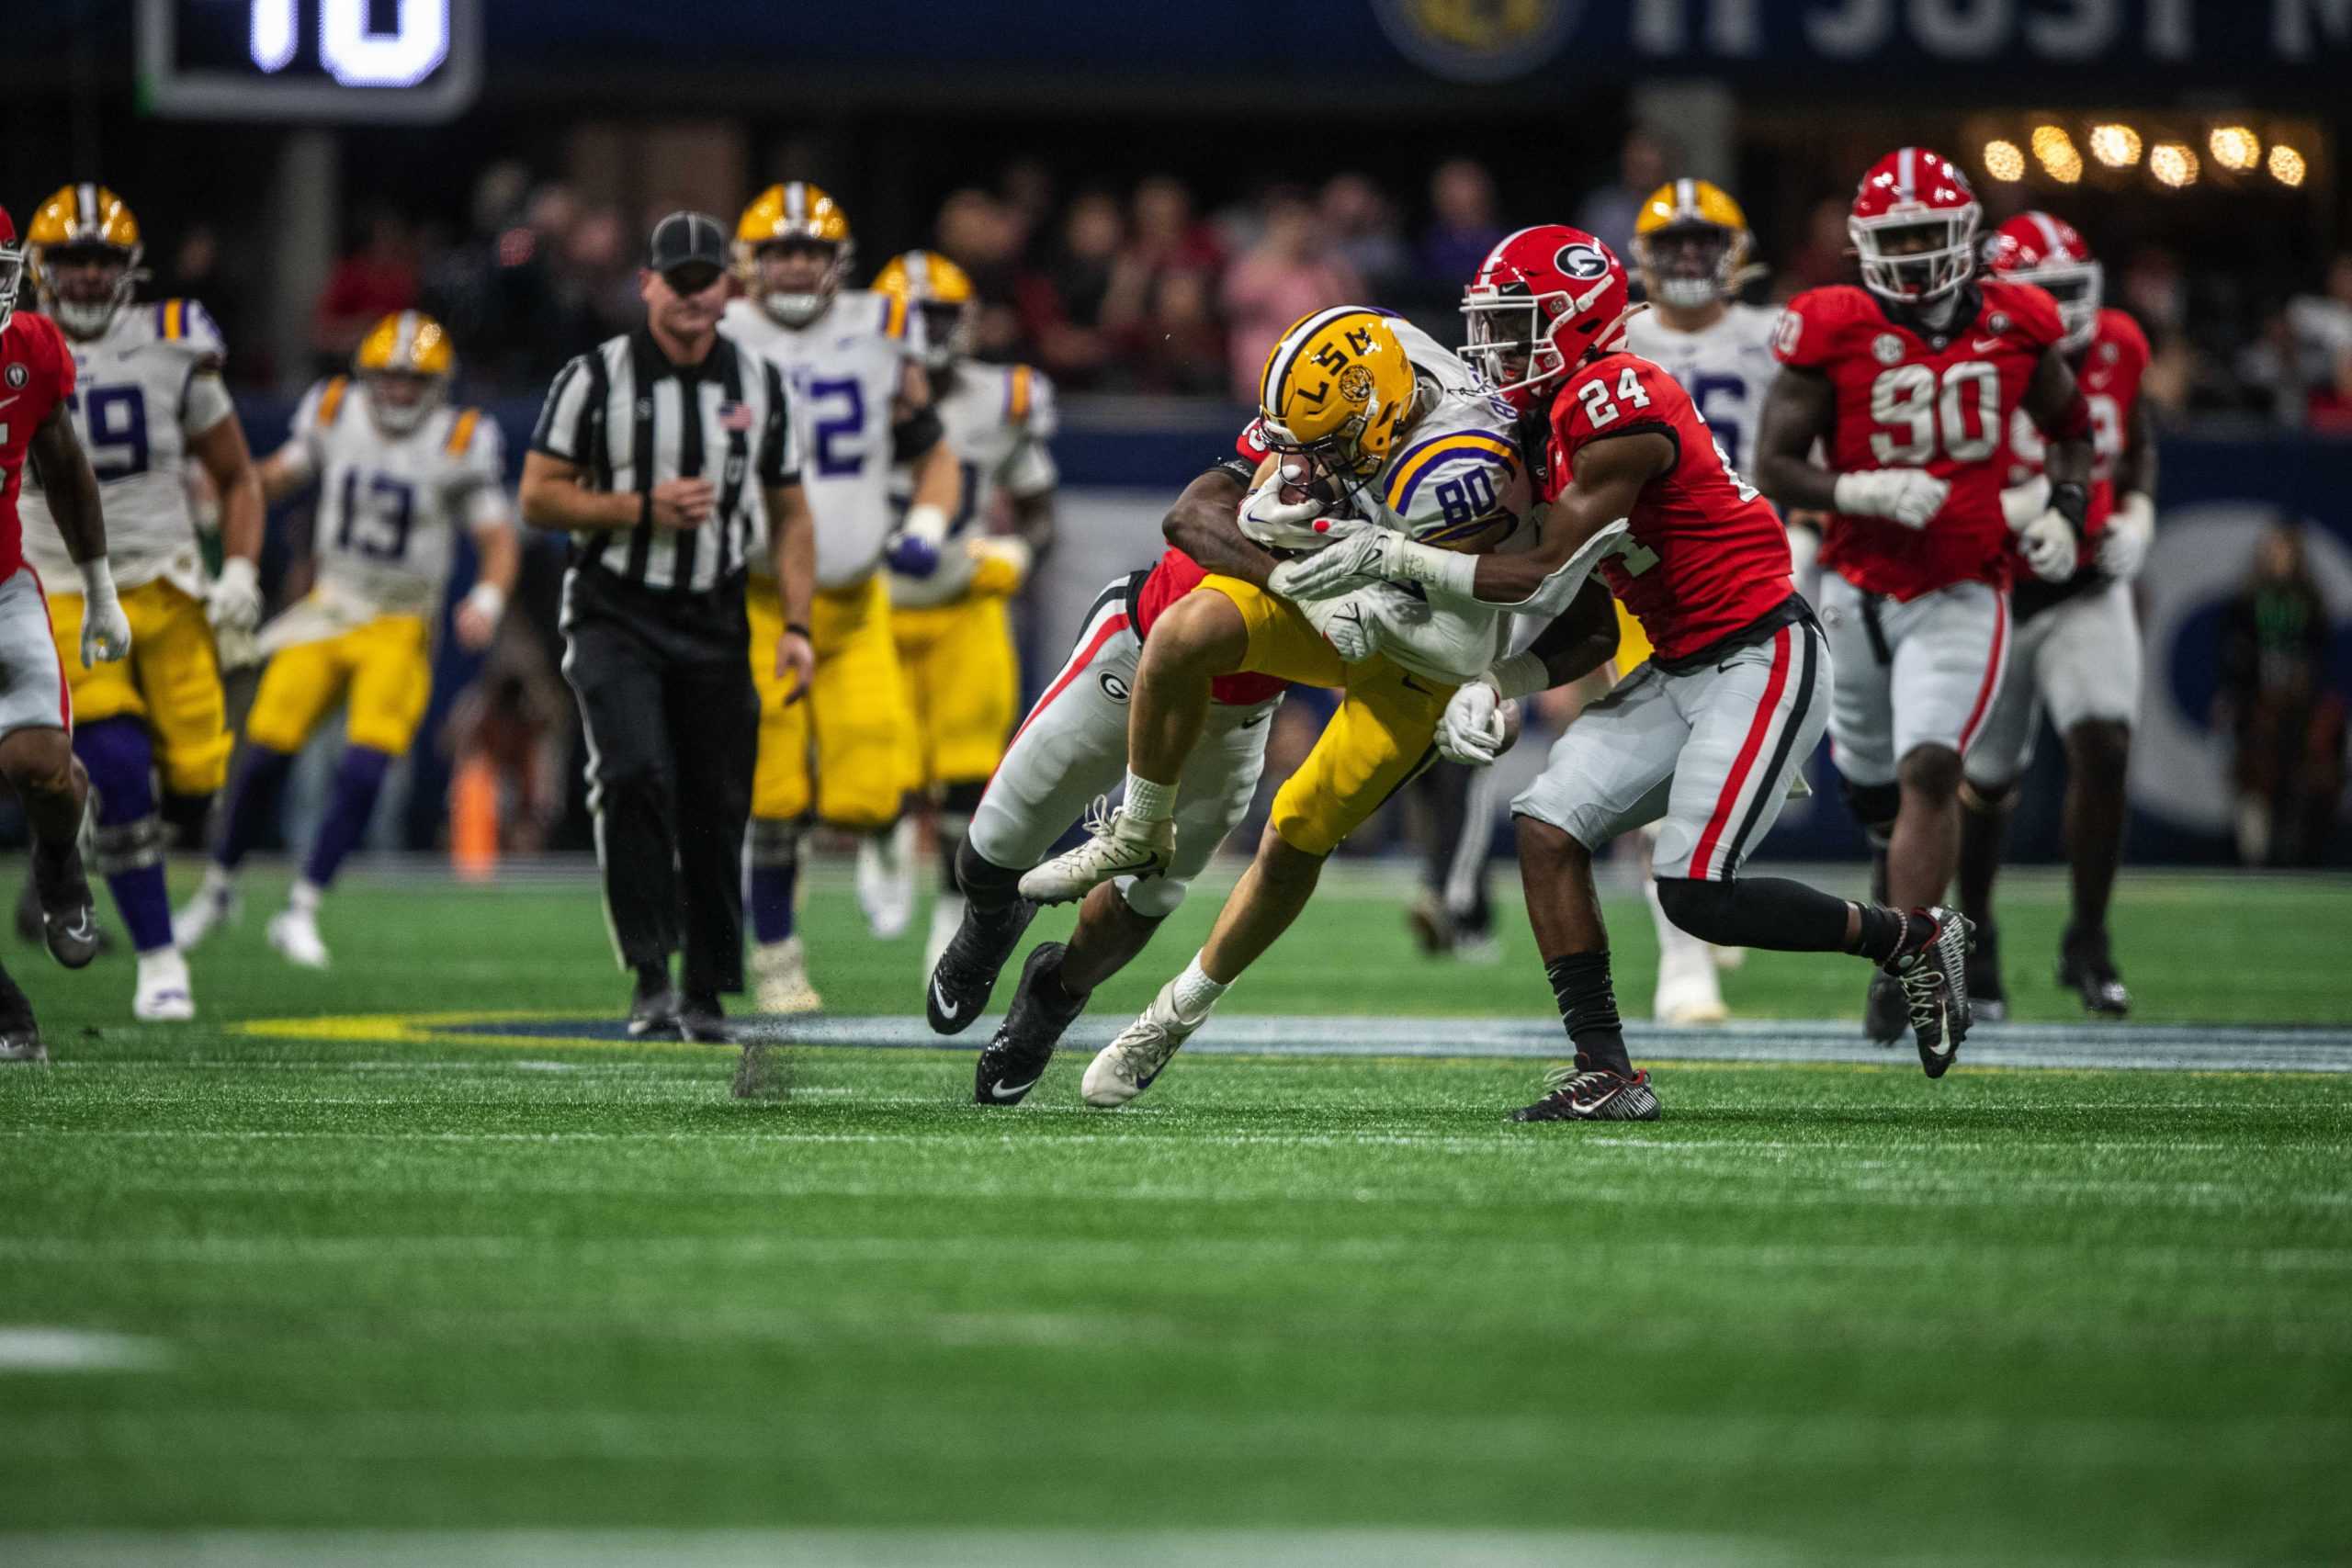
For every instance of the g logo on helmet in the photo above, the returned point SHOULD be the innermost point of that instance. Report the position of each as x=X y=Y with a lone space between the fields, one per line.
x=1355 y=384
x=18 y=376
x=1581 y=261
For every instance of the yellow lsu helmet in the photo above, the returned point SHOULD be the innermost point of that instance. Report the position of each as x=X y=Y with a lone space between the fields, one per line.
x=929 y=285
x=795 y=211
x=83 y=222
x=1691 y=244
x=414 y=348
x=1338 y=388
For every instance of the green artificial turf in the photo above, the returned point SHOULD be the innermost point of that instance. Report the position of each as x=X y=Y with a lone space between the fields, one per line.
x=1836 y=1311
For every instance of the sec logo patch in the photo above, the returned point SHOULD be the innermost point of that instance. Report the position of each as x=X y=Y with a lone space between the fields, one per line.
x=1887 y=349
x=18 y=376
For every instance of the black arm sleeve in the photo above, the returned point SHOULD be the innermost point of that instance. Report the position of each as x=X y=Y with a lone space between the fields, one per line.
x=915 y=435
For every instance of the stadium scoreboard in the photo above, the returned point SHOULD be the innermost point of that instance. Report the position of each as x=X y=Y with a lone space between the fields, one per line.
x=324 y=60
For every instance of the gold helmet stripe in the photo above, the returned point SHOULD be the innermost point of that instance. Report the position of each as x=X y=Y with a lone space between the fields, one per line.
x=1286 y=353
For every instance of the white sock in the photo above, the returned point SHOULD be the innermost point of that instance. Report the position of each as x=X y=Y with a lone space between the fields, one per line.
x=1150 y=802
x=1193 y=993
x=304 y=899
x=219 y=880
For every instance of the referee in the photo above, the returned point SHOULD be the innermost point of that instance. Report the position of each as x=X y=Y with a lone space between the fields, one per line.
x=667 y=453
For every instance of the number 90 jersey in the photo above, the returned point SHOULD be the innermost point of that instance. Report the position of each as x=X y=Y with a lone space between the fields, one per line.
x=387 y=505
x=843 y=370
x=1909 y=399
x=1726 y=368
x=146 y=387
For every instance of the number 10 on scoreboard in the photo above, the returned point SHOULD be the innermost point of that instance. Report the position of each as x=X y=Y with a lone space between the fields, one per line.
x=321 y=60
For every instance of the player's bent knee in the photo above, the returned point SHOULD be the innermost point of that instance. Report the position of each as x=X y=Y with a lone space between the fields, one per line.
x=1930 y=770
x=1546 y=846
x=1874 y=805
x=1697 y=906
x=2099 y=748
x=1203 y=630
x=39 y=761
x=1286 y=863
x=1987 y=799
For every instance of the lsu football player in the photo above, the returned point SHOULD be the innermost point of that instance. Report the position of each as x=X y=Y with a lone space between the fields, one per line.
x=397 y=470
x=861 y=401
x=956 y=653
x=1694 y=254
x=150 y=399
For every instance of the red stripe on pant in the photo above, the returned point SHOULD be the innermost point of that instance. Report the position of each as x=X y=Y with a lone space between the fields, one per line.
x=1758 y=731
x=1079 y=661
x=1991 y=673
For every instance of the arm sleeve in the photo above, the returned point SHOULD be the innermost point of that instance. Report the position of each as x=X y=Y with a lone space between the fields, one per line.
x=558 y=432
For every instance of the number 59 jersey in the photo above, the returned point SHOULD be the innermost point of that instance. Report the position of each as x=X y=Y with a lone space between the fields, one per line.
x=146 y=387
x=1906 y=397
x=388 y=505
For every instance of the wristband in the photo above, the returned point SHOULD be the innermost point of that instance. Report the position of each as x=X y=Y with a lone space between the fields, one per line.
x=487 y=599
x=798 y=629
x=928 y=523
x=98 y=578
x=2071 y=501
x=1521 y=675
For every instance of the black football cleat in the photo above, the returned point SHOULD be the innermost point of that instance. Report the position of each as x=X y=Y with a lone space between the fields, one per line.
x=1887 y=1012
x=1932 y=970
x=1987 y=1002
x=1587 y=1094
x=20 y=1035
x=69 y=915
x=653 y=1009
x=1013 y=1063
x=2086 y=968
x=968 y=965
x=702 y=1020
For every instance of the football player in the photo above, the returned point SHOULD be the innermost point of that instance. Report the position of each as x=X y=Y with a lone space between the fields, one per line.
x=956 y=653
x=150 y=399
x=1708 y=735
x=397 y=471
x=1908 y=384
x=37 y=376
x=2078 y=647
x=861 y=401
x=1403 y=433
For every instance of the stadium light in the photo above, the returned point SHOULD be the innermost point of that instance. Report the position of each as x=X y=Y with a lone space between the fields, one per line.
x=2173 y=164
x=2004 y=162
x=2116 y=145
x=2234 y=146
x=2286 y=165
x=2056 y=151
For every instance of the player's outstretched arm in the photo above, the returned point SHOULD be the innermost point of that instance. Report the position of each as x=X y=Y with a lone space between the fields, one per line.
x=792 y=539
x=1202 y=524
x=228 y=462
x=1797 y=413
x=500 y=553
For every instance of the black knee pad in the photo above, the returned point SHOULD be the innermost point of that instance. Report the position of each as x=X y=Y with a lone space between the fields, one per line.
x=1875 y=806
x=1695 y=905
x=984 y=882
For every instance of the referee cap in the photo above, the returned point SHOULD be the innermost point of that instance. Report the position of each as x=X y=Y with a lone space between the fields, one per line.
x=688 y=239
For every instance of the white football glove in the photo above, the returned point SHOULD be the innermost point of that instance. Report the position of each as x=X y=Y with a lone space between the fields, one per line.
x=2123 y=545
x=1276 y=523
x=1805 y=551
x=1472 y=728
x=106 y=630
x=1367 y=621
x=1909 y=496
x=233 y=601
x=1352 y=551
x=2049 y=547
x=2021 y=504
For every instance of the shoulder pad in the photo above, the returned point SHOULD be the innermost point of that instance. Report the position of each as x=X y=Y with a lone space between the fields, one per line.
x=187 y=326
x=2033 y=313
x=463 y=422
x=1812 y=324
x=332 y=393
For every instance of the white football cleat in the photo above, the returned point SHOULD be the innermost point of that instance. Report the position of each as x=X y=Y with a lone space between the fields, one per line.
x=780 y=978
x=1116 y=845
x=886 y=879
x=946 y=914
x=214 y=905
x=1126 y=1067
x=1687 y=992
x=164 y=995
x=295 y=934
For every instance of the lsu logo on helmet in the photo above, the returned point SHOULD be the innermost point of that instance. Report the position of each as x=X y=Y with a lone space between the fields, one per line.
x=1338 y=388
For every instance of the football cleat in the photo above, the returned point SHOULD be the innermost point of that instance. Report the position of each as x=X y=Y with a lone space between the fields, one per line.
x=702 y=1020
x=653 y=1008
x=1933 y=975
x=946 y=917
x=1687 y=991
x=780 y=978
x=1431 y=923
x=967 y=967
x=886 y=879
x=295 y=934
x=1987 y=1002
x=1130 y=1064
x=69 y=918
x=163 y=994
x=1584 y=1092
x=20 y=1035
x=1887 y=1012
x=28 y=922
x=212 y=906
x=1012 y=1064
x=1116 y=845
x=2085 y=967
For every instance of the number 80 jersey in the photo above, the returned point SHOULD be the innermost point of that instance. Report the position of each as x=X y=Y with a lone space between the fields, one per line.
x=1906 y=397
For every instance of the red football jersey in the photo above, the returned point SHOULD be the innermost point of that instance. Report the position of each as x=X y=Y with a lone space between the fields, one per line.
x=36 y=375
x=1941 y=403
x=1177 y=574
x=2109 y=372
x=1706 y=555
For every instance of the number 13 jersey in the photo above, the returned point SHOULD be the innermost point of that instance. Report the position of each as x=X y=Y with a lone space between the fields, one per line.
x=1908 y=397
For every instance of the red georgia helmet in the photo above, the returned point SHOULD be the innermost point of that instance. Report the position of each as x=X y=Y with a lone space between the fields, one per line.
x=2036 y=248
x=1548 y=298
x=12 y=267
x=1910 y=191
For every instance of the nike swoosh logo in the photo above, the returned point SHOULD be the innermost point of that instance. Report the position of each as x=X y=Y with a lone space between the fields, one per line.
x=939 y=999
x=1146 y=865
x=1986 y=344
x=1254 y=723
x=1001 y=1090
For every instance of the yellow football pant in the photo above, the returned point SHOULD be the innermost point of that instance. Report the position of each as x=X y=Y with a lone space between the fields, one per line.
x=855 y=711
x=963 y=685
x=1384 y=733
x=386 y=666
x=172 y=680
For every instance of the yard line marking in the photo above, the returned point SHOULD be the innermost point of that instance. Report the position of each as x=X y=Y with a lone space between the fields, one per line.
x=42 y=1348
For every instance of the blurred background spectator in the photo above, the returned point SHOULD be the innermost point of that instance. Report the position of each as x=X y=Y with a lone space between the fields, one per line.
x=1644 y=162
x=2276 y=703
x=1291 y=271
x=376 y=275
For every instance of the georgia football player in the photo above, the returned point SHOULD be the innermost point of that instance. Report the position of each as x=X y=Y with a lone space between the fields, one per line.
x=397 y=470
x=2077 y=650
x=954 y=637
x=860 y=403
x=1908 y=384
x=1709 y=733
x=150 y=400
x=37 y=759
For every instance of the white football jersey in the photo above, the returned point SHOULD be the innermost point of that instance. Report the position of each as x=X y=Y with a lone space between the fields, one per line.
x=1726 y=368
x=383 y=534
x=997 y=419
x=144 y=389
x=844 y=371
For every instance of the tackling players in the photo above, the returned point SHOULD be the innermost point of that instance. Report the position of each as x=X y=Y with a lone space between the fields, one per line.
x=1909 y=384
x=2077 y=648
x=860 y=400
x=150 y=398
x=397 y=471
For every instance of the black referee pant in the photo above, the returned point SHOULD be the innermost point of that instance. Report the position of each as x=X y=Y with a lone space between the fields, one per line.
x=664 y=685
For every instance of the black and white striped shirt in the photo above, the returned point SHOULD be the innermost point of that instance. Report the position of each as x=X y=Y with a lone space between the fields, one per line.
x=629 y=419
